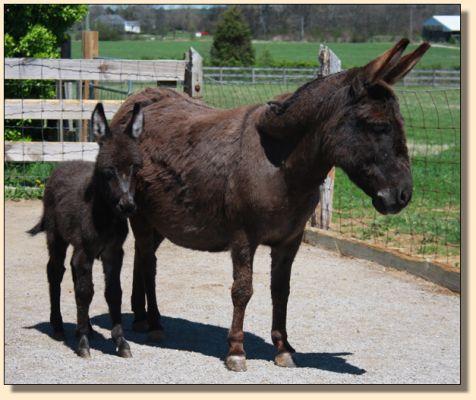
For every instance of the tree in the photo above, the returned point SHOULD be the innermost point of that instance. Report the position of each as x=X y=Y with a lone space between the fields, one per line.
x=35 y=30
x=232 y=41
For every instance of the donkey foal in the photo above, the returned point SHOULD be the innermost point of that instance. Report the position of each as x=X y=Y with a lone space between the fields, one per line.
x=87 y=205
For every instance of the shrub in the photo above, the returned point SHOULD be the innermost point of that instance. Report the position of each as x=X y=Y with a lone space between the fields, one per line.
x=232 y=41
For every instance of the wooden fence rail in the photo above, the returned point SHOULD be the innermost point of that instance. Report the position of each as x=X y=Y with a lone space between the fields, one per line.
x=97 y=70
x=56 y=109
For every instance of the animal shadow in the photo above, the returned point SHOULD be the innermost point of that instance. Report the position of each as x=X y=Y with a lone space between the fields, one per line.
x=210 y=340
x=96 y=341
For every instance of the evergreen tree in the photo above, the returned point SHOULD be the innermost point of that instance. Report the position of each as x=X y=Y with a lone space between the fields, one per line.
x=232 y=41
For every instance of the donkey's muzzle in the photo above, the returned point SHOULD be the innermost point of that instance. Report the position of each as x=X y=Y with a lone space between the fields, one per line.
x=391 y=201
x=126 y=207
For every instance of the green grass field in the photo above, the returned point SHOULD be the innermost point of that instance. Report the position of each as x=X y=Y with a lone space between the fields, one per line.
x=351 y=54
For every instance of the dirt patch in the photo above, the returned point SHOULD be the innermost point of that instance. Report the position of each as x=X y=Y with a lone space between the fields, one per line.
x=351 y=321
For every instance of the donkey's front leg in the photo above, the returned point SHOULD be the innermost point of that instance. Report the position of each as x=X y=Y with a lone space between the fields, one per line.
x=84 y=290
x=112 y=264
x=143 y=286
x=242 y=254
x=282 y=257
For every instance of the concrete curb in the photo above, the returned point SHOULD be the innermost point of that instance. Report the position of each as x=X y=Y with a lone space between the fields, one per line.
x=440 y=274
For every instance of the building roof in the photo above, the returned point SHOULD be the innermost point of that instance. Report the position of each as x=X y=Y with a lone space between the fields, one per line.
x=449 y=23
x=112 y=19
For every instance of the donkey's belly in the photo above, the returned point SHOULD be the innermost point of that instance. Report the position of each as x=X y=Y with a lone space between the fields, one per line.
x=194 y=236
x=193 y=225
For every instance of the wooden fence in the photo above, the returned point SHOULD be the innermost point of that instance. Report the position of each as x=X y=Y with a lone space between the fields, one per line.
x=188 y=71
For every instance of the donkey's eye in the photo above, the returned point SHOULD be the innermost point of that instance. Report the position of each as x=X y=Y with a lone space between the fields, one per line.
x=134 y=169
x=380 y=128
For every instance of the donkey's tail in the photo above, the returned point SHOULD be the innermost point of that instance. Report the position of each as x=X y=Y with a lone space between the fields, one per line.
x=39 y=227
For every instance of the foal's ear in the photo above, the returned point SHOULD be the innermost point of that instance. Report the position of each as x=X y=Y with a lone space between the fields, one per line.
x=99 y=123
x=137 y=121
x=406 y=64
x=376 y=69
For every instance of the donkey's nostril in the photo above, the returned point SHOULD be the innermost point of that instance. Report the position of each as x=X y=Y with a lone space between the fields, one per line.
x=126 y=208
x=403 y=197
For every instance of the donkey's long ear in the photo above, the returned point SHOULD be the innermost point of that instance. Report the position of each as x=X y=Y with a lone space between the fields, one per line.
x=405 y=64
x=137 y=121
x=376 y=69
x=99 y=123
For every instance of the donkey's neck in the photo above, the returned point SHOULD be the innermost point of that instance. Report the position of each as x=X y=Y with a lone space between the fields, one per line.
x=306 y=119
x=305 y=110
x=103 y=214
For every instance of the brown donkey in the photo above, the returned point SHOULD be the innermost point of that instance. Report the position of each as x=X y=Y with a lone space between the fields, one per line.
x=218 y=180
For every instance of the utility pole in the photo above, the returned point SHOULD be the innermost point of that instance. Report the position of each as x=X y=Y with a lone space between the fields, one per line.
x=302 y=28
x=410 y=34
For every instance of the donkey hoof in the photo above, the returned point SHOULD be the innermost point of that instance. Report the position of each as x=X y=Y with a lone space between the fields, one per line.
x=83 y=352
x=123 y=349
x=125 y=352
x=236 y=363
x=140 y=326
x=284 y=360
x=58 y=335
x=156 y=336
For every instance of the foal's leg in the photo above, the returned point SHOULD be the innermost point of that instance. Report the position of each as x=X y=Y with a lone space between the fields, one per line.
x=282 y=258
x=112 y=264
x=242 y=254
x=145 y=267
x=84 y=291
x=55 y=271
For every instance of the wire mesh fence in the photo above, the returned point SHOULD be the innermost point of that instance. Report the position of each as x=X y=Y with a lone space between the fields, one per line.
x=429 y=227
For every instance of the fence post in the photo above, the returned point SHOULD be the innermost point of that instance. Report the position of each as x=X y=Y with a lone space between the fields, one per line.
x=329 y=64
x=90 y=49
x=193 y=83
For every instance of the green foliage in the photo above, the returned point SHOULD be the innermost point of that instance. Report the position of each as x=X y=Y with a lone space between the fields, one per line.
x=37 y=31
x=265 y=59
x=39 y=42
x=232 y=41
x=107 y=31
x=38 y=28
x=26 y=180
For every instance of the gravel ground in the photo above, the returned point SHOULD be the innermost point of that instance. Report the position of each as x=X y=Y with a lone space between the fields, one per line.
x=351 y=321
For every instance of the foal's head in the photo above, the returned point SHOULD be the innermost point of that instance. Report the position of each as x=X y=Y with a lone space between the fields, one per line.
x=118 y=160
x=369 y=138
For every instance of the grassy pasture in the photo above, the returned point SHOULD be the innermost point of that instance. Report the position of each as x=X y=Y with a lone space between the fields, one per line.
x=351 y=54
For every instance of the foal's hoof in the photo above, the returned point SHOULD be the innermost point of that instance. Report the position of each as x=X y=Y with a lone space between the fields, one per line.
x=236 y=363
x=58 y=335
x=83 y=352
x=123 y=349
x=284 y=360
x=156 y=336
x=124 y=352
x=140 y=326
x=83 y=348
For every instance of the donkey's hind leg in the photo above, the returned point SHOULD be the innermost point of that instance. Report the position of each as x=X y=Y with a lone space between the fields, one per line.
x=55 y=271
x=84 y=291
x=112 y=264
x=147 y=240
